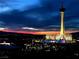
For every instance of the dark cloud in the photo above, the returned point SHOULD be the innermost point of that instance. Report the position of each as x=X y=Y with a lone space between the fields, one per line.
x=42 y=14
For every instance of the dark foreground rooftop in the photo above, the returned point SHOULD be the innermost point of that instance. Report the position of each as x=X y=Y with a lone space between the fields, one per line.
x=54 y=51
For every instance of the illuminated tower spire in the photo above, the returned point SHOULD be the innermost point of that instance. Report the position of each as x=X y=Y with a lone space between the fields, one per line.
x=62 y=21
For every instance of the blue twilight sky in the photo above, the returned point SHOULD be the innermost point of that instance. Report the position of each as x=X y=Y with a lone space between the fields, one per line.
x=38 y=14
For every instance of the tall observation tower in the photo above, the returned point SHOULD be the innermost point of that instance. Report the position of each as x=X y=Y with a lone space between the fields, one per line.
x=62 y=22
x=62 y=36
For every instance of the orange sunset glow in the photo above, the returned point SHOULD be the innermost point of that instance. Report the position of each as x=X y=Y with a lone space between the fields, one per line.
x=38 y=32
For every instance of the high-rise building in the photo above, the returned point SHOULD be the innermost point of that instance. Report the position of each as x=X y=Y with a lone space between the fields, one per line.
x=62 y=36
x=62 y=22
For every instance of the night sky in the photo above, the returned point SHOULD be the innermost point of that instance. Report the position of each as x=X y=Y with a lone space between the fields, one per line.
x=38 y=14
